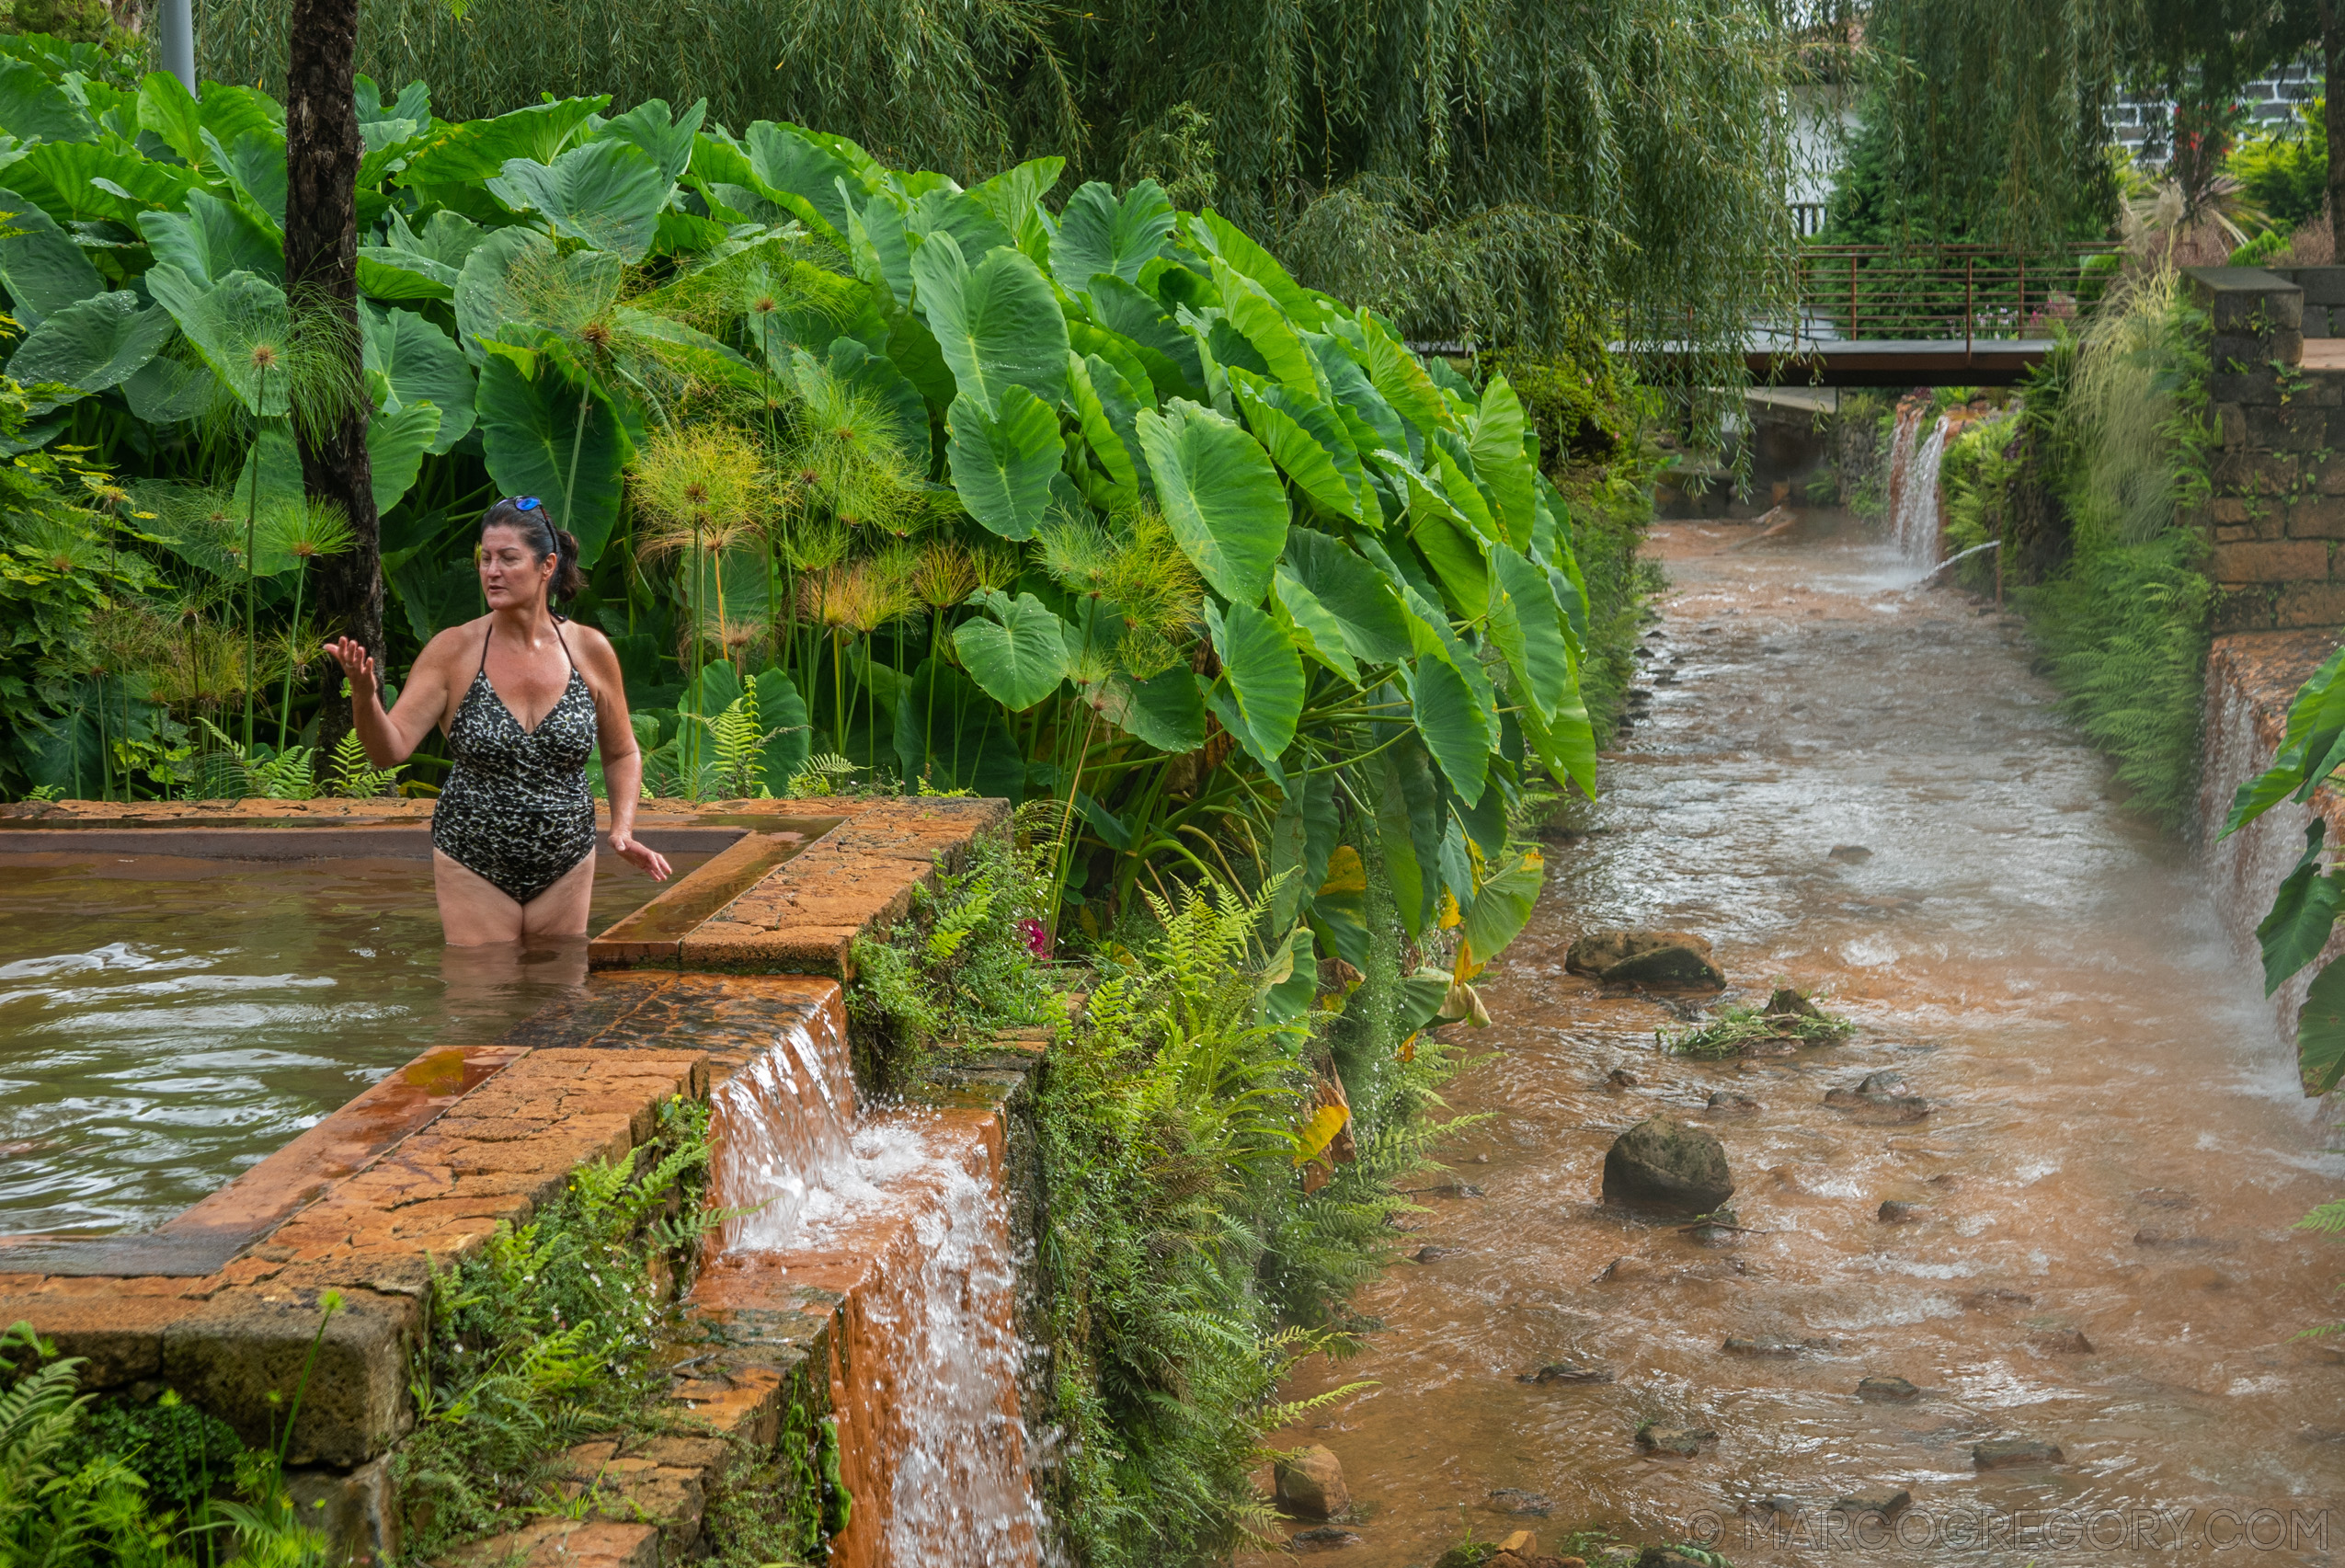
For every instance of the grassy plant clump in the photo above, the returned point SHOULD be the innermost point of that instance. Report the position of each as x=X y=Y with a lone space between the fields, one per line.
x=1738 y=1028
x=546 y=1338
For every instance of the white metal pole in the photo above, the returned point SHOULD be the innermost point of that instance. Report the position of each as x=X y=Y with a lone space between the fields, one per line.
x=178 y=27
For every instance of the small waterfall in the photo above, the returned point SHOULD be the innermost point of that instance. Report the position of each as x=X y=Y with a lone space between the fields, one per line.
x=782 y=1127
x=2248 y=867
x=1916 y=510
x=929 y=1419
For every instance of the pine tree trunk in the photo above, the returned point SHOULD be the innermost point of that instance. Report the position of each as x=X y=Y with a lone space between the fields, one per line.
x=2332 y=51
x=322 y=153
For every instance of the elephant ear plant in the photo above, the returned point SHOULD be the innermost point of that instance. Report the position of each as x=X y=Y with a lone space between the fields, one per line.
x=1074 y=497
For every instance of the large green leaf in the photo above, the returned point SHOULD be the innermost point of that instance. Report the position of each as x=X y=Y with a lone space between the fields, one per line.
x=1451 y=548
x=1303 y=459
x=98 y=343
x=1169 y=354
x=1099 y=233
x=997 y=324
x=787 y=160
x=2320 y=1030
x=1362 y=601
x=949 y=734
x=970 y=223
x=1220 y=495
x=83 y=181
x=167 y=391
x=1003 y=465
x=1312 y=626
x=1014 y=196
x=419 y=364
x=252 y=163
x=1408 y=826
x=519 y=276
x=238 y=325
x=44 y=270
x=1019 y=656
x=469 y=153
x=2303 y=912
x=1264 y=676
x=1529 y=631
x=33 y=106
x=436 y=596
x=665 y=137
x=1265 y=326
x=606 y=193
x=1502 y=463
x=535 y=436
x=1502 y=906
x=1107 y=408
x=1401 y=377
x=1566 y=745
x=1166 y=710
x=395 y=445
x=212 y=238
x=1222 y=239
x=1456 y=728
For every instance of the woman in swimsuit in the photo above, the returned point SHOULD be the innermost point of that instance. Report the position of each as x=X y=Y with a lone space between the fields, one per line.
x=525 y=697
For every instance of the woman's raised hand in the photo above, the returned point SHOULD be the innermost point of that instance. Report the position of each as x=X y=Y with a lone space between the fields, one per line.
x=357 y=663
x=640 y=855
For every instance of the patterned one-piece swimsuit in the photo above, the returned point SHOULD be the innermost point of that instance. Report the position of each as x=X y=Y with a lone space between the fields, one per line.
x=515 y=808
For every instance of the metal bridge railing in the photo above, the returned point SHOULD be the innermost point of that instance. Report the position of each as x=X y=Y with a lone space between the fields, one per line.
x=1854 y=293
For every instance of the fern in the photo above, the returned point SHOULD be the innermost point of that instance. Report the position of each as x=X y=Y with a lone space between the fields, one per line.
x=258 y=774
x=822 y=775
x=354 y=776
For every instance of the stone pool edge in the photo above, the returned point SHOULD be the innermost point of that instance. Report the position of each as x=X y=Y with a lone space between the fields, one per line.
x=482 y=1139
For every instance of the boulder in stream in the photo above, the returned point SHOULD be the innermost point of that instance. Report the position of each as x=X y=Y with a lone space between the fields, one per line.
x=1677 y=1442
x=1887 y=1390
x=1311 y=1484
x=1727 y=1102
x=1881 y=1502
x=1668 y=959
x=2013 y=1453
x=1897 y=1211
x=1567 y=1372
x=1883 y=1092
x=1662 y=1164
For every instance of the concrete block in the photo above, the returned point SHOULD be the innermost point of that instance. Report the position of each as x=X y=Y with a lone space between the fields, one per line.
x=2322 y=285
x=2255 y=383
x=2283 y=561
x=2289 y=429
x=2247 y=609
x=243 y=1355
x=120 y=1336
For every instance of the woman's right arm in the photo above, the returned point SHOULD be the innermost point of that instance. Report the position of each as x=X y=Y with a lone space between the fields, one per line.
x=390 y=738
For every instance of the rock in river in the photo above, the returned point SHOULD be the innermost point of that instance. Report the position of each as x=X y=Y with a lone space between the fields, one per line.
x=2011 y=1453
x=1887 y=1390
x=1567 y=1372
x=1683 y=1442
x=1883 y=1502
x=1664 y=1163
x=1673 y=958
x=1311 y=1484
x=1883 y=1092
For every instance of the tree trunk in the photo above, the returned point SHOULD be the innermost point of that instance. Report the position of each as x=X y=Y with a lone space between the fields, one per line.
x=2332 y=51
x=322 y=153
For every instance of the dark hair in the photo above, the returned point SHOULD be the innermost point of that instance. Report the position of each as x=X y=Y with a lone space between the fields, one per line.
x=526 y=516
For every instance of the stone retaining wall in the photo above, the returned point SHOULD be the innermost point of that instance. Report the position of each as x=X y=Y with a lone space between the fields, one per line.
x=222 y=1303
x=2276 y=516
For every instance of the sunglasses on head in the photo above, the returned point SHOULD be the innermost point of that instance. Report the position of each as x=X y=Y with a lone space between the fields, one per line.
x=526 y=503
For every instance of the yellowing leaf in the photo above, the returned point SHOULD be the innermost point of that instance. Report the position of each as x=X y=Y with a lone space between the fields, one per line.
x=1319 y=1131
x=1449 y=915
x=1346 y=873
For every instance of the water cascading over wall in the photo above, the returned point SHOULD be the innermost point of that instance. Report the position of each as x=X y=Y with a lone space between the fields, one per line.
x=1916 y=506
x=902 y=1212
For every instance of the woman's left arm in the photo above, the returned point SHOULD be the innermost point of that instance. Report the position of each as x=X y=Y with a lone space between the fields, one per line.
x=615 y=738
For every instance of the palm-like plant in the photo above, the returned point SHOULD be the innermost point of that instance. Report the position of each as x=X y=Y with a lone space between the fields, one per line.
x=306 y=530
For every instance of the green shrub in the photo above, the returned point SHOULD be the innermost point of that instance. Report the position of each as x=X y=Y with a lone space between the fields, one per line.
x=2286 y=173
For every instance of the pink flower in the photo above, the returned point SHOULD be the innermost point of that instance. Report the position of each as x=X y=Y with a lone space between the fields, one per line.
x=1037 y=937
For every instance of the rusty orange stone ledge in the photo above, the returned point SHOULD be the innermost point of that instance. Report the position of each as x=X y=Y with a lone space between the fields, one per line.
x=418 y=1171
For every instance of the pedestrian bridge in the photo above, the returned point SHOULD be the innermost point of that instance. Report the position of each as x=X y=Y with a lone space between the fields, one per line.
x=1948 y=316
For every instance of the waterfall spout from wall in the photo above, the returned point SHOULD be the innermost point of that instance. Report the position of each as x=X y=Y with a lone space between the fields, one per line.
x=1916 y=508
x=781 y=1127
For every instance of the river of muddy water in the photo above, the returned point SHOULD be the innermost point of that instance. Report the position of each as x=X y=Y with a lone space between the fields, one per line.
x=2105 y=1256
